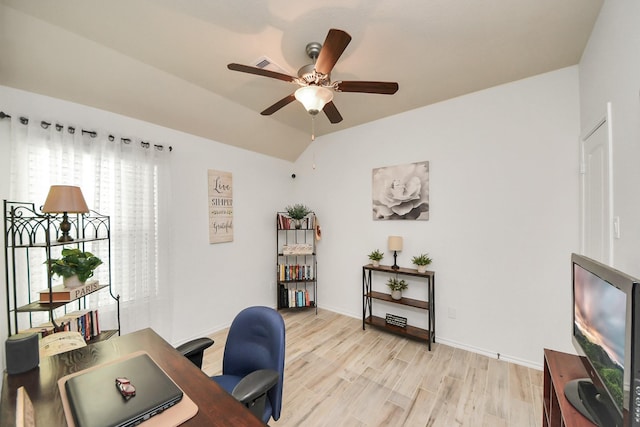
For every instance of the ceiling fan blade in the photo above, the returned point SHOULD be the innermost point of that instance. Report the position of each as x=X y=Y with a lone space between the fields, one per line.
x=332 y=112
x=278 y=105
x=260 y=72
x=384 y=88
x=335 y=43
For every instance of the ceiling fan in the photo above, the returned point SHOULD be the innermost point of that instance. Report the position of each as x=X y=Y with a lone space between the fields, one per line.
x=316 y=88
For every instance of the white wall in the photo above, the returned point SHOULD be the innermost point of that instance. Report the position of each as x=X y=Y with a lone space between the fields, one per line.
x=503 y=219
x=503 y=212
x=610 y=72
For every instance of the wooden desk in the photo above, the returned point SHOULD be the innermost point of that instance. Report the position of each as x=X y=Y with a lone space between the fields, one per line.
x=215 y=406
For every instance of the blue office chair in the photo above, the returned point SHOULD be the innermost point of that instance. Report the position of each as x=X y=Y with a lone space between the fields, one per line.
x=253 y=361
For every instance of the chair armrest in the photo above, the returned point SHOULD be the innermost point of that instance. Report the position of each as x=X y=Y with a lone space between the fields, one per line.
x=194 y=349
x=255 y=384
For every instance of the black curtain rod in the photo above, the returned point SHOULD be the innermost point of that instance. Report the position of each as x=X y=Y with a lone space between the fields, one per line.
x=91 y=133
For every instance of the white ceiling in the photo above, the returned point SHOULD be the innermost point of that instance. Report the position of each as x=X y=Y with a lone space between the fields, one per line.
x=164 y=61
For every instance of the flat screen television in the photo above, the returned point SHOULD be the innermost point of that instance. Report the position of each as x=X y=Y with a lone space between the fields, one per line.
x=605 y=335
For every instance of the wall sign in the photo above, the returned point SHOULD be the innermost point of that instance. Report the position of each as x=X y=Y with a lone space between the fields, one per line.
x=220 y=206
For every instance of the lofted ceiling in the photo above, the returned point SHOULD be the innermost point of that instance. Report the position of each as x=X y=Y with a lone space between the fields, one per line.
x=165 y=61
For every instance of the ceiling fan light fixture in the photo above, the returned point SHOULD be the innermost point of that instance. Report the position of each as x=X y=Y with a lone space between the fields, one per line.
x=314 y=98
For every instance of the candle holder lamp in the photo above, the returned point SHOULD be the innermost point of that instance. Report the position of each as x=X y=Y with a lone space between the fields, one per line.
x=395 y=245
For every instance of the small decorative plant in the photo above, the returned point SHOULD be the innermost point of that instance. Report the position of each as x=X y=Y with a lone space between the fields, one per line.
x=376 y=255
x=297 y=211
x=422 y=259
x=397 y=285
x=74 y=262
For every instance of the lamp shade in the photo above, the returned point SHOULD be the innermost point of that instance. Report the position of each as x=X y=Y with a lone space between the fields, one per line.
x=395 y=243
x=65 y=198
x=314 y=98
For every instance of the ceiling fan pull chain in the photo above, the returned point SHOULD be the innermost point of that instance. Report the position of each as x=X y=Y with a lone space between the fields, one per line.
x=313 y=128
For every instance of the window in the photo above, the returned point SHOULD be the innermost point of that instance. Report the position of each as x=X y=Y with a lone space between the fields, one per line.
x=120 y=177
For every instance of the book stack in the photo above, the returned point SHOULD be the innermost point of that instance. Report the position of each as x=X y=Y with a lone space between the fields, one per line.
x=293 y=298
x=286 y=223
x=295 y=272
x=83 y=321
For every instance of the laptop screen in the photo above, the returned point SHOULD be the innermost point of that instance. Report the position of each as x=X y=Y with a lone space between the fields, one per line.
x=96 y=401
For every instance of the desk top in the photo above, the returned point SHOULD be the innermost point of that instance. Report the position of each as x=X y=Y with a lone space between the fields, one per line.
x=215 y=406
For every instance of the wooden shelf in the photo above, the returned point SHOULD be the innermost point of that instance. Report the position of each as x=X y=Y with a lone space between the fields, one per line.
x=559 y=369
x=408 y=331
x=402 y=301
x=40 y=306
x=401 y=270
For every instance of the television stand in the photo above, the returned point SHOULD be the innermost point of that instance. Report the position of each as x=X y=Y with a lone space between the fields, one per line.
x=559 y=369
x=583 y=395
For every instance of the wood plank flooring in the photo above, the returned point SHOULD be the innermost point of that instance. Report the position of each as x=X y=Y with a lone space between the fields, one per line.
x=336 y=374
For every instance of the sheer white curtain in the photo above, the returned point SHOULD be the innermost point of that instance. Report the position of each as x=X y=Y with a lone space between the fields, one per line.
x=122 y=177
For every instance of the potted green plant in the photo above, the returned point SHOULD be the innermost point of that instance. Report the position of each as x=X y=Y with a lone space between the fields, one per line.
x=422 y=261
x=375 y=257
x=397 y=286
x=74 y=266
x=297 y=212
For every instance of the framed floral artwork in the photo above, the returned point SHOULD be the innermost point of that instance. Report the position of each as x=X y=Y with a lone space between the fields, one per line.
x=401 y=192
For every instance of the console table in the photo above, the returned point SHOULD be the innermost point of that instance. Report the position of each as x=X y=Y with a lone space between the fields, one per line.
x=216 y=407
x=559 y=369
x=368 y=295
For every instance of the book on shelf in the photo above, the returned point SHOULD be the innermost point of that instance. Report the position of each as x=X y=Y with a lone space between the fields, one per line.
x=286 y=223
x=294 y=298
x=295 y=272
x=60 y=293
x=85 y=322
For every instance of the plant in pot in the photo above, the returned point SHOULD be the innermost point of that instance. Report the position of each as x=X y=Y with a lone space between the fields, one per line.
x=297 y=212
x=422 y=261
x=375 y=257
x=397 y=286
x=74 y=266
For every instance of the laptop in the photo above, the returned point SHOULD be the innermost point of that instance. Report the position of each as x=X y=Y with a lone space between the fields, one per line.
x=95 y=400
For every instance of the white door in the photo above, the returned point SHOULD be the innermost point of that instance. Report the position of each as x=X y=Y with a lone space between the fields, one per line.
x=597 y=194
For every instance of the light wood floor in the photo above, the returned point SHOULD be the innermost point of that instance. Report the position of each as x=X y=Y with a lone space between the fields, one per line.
x=336 y=374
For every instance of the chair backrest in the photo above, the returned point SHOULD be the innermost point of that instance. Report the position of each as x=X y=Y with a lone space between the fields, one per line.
x=256 y=340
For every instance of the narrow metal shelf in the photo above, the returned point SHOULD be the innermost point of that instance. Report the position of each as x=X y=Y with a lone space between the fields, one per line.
x=369 y=295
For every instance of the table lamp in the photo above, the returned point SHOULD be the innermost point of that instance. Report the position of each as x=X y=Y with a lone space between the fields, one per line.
x=65 y=199
x=395 y=245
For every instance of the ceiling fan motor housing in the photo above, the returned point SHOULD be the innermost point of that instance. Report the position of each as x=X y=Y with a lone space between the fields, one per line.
x=310 y=76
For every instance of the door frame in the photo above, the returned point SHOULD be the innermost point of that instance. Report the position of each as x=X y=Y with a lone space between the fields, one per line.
x=608 y=222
